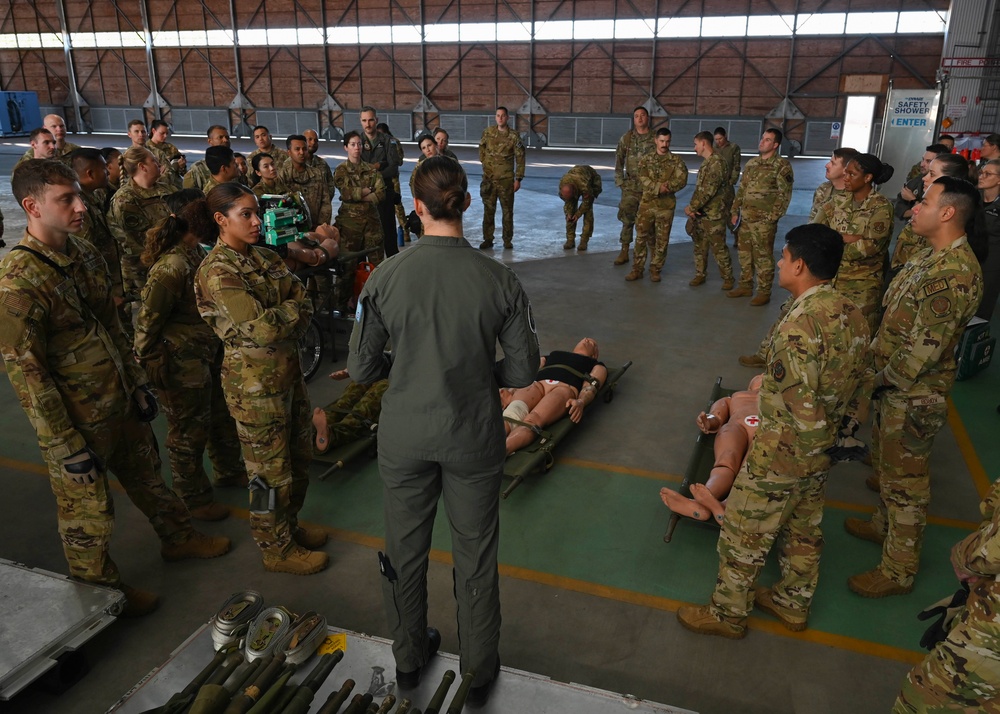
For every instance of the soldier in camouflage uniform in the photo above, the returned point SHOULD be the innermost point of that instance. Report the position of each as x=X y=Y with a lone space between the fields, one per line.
x=315 y=160
x=198 y=175
x=733 y=156
x=707 y=210
x=310 y=181
x=86 y=397
x=962 y=674
x=221 y=163
x=815 y=369
x=259 y=310
x=441 y=137
x=927 y=307
x=182 y=358
x=578 y=188
x=43 y=146
x=135 y=208
x=92 y=175
x=864 y=217
x=349 y=418
x=661 y=175
x=502 y=156
x=169 y=156
x=361 y=190
x=762 y=199
x=635 y=144
x=265 y=145
x=267 y=177
x=377 y=150
x=56 y=126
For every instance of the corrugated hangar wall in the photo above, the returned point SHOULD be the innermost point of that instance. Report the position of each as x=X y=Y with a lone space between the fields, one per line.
x=540 y=80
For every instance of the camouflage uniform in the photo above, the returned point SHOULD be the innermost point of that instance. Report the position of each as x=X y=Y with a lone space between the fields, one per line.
x=908 y=244
x=709 y=202
x=74 y=374
x=278 y=155
x=733 y=157
x=197 y=175
x=320 y=163
x=859 y=277
x=632 y=147
x=95 y=231
x=656 y=210
x=67 y=149
x=926 y=309
x=350 y=417
x=962 y=674
x=586 y=184
x=763 y=197
x=823 y=194
x=134 y=210
x=278 y=188
x=182 y=357
x=259 y=310
x=166 y=153
x=381 y=151
x=311 y=183
x=400 y=212
x=502 y=156
x=815 y=368
x=357 y=219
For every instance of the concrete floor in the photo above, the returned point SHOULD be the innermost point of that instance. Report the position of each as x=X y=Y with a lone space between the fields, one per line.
x=680 y=339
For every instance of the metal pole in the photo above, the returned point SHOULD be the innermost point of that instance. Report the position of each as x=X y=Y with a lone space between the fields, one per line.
x=148 y=35
x=70 y=71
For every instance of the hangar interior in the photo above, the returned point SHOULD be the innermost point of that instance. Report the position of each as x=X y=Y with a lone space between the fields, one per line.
x=589 y=587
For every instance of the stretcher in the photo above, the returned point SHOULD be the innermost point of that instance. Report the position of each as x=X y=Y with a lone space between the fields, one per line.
x=700 y=465
x=537 y=457
x=339 y=457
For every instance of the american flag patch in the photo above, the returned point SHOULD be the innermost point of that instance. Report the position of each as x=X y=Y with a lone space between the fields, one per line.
x=15 y=303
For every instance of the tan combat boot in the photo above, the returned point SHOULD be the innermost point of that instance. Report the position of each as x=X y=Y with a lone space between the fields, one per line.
x=138 y=602
x=727 y=284
x=702 y=621
x=583 y=244
x=741 y=291
x=198 y=545
x=754 y=361
x=697 y=280
x=791 y=619
x=636 y=274
x=310 y=538
x=874 y=584
x=654 y=275
x=212 y=511
x=761 y=298
x=298 y=561
x=570 y=244
x=622 y=256
x=865 y=530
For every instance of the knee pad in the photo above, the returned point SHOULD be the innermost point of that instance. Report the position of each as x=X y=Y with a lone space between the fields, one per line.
x=517 y=410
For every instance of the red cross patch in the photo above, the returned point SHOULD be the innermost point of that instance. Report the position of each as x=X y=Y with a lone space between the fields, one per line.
x=753 y=421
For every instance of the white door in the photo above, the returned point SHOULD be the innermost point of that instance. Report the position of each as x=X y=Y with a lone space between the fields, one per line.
x=858 y=120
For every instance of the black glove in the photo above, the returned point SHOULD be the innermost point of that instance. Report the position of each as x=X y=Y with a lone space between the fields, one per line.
x=847 y=447
x=82 y=467
x=145 y=403
x=946 y=610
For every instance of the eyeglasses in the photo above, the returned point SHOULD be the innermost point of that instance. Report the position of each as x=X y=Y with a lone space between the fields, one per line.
x=989 y=173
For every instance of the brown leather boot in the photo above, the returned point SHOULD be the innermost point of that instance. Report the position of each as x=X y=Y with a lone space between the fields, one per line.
x=865 y=530
x=654 y=275
x=741 y=291
x=703 y=621
x=761 y=299
x=622 y=256
x=791 y=619
x=138 y=602
x=727 y=284
x=874 y=584
x=212 y=511
x=583 y=244
x=310 y=538
x=697 y=280
x=636 y=274
x=752 y=361
x=570 y=244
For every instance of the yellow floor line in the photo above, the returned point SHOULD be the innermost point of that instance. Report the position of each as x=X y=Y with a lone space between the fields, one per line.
x=975 y=466
x=642 y=473
x=581 y=586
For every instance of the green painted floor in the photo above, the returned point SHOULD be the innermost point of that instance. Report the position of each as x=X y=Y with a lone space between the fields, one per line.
x=617 y=524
